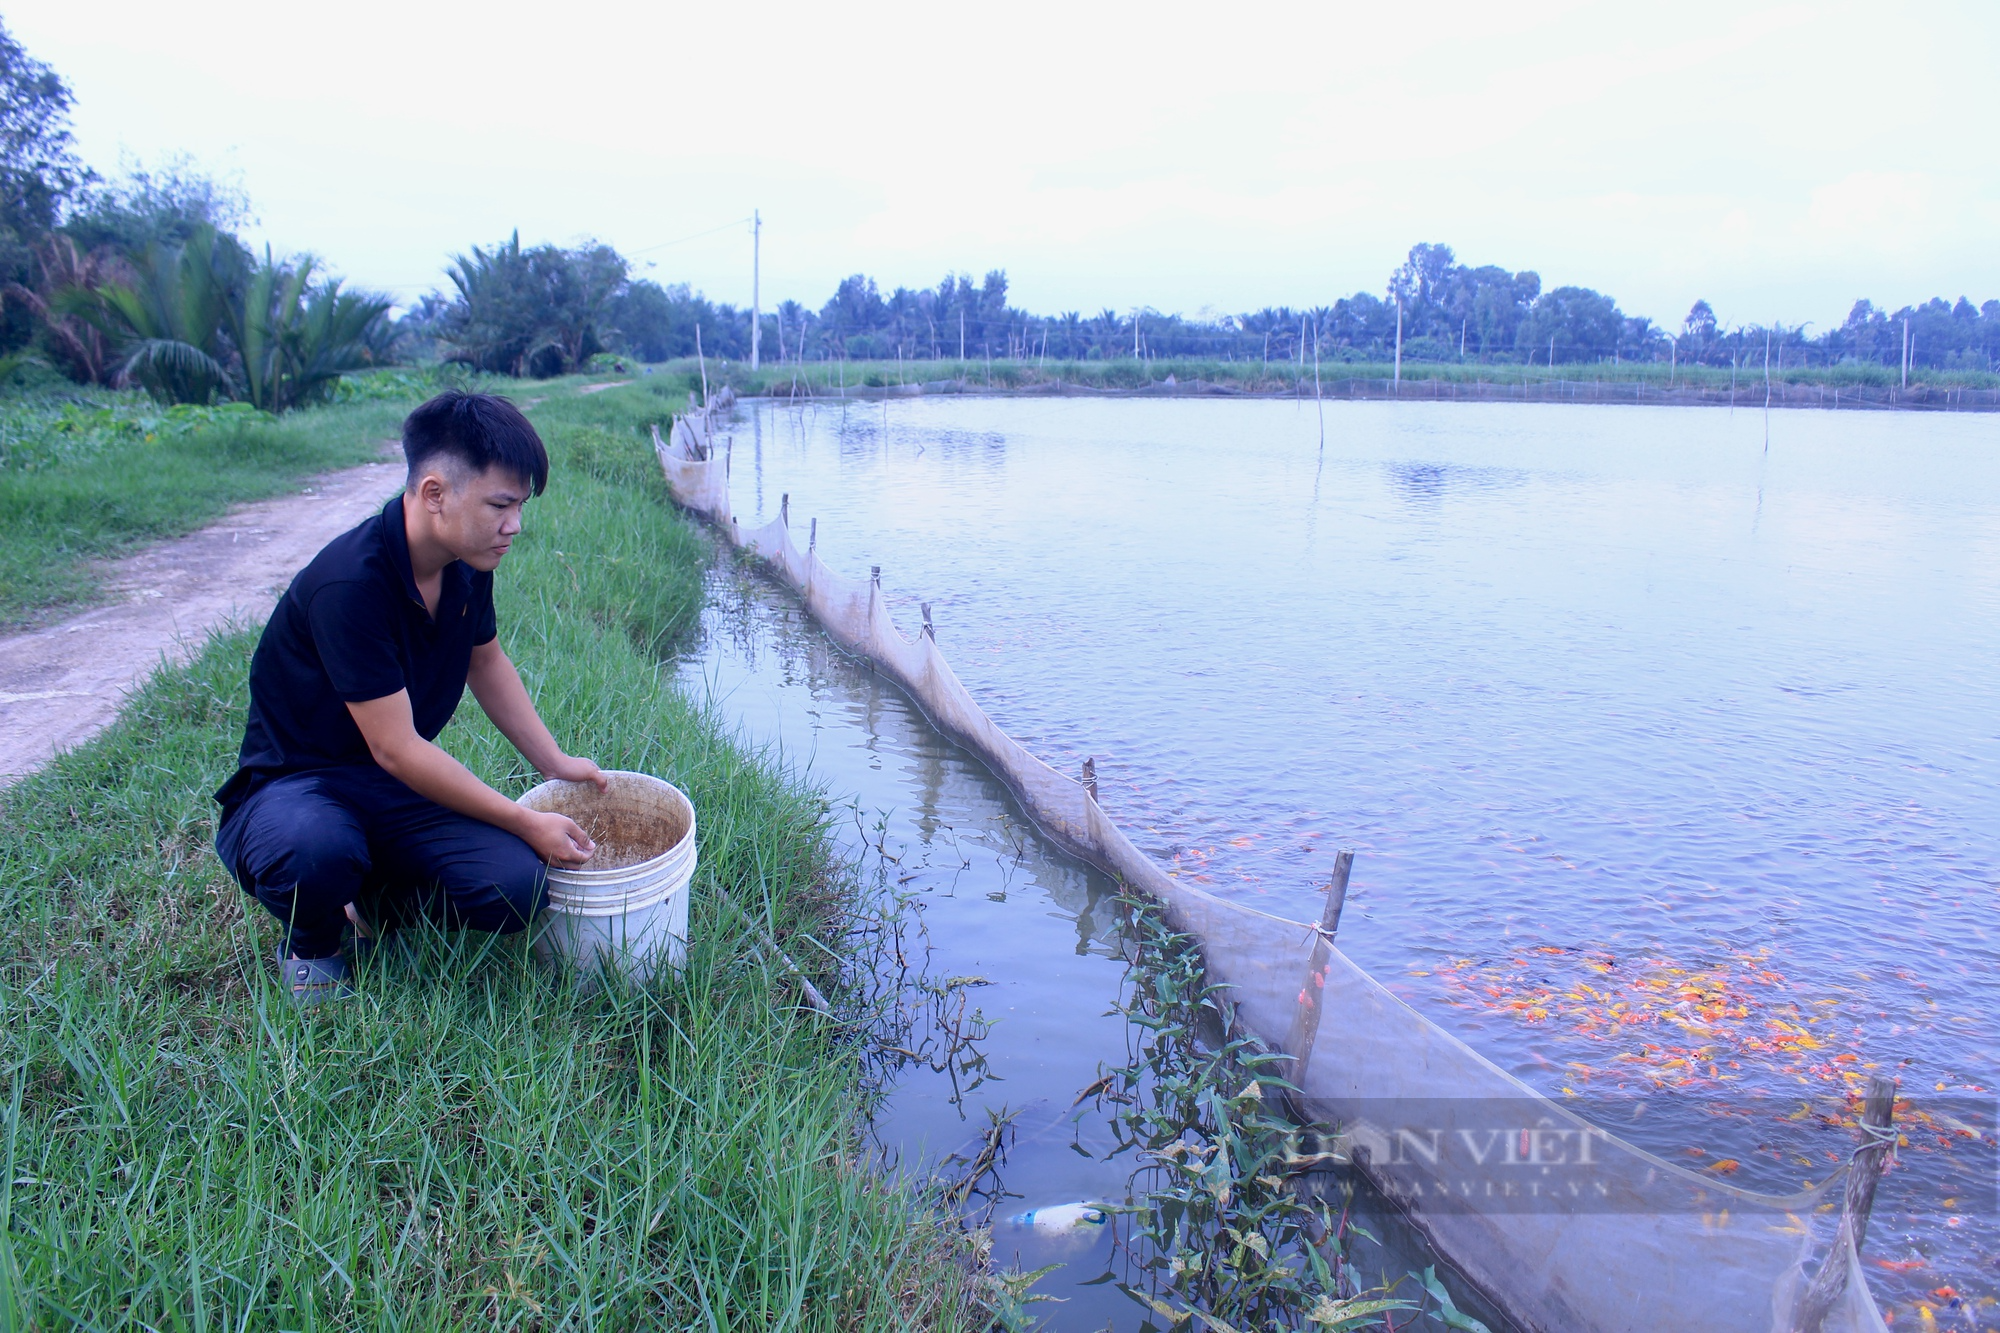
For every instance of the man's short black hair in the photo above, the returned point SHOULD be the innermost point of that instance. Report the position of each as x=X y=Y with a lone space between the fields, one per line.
x=480 y=430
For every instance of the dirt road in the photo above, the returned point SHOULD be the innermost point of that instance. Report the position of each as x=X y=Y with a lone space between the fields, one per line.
x=61 y=685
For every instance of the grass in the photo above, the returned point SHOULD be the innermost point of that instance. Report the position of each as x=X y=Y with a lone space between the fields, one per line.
x=468 y=1143
x=674 y=379
x=79 y=485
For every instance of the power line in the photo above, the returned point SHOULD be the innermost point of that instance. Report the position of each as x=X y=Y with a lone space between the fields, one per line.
x=733 y=222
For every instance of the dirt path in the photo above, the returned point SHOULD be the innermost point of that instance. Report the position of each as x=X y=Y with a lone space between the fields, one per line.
x=61 y=685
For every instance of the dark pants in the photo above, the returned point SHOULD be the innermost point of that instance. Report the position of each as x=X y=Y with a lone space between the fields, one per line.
x=308 y=844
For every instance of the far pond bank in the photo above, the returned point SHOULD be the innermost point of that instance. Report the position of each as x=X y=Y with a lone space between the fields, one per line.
x=1838 y=387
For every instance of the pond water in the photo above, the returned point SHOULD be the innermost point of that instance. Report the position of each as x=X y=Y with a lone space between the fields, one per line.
x=1665 y=738
x=1009 y=942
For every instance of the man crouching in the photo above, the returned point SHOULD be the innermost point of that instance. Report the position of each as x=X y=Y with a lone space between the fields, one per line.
x=340 y=784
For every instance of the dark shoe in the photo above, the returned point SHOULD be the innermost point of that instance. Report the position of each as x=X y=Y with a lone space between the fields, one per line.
x=316 y=980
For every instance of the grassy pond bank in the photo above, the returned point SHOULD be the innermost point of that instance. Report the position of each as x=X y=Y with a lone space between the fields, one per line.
x=467 y=1143
x=1835 y=387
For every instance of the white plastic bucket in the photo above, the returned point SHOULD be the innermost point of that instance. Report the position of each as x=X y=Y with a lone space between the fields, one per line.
x=627 y=907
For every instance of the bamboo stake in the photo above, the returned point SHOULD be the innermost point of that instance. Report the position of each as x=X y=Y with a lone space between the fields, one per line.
x=1312 y=995
x=1858 y=1201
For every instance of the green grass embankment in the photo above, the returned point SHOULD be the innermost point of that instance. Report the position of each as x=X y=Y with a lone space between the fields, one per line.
x=825 y=378
x=467 y=1144
x=84 y=481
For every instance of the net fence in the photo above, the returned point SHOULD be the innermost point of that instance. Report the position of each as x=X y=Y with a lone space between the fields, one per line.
x=1562 y=1224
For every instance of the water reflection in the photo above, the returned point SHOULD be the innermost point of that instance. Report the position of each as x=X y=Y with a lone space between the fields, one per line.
x=1427 y=483
x=1006 y=957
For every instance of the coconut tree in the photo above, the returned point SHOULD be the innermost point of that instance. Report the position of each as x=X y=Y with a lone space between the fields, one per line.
x=539 y=311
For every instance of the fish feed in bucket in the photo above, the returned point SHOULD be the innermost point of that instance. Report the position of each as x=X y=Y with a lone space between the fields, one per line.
x=627 y=907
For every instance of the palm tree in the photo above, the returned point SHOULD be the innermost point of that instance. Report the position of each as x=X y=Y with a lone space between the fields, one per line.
x=541 y=311
x=202 y=320
x=167 y=326
x=79 y=348
x=296 y=337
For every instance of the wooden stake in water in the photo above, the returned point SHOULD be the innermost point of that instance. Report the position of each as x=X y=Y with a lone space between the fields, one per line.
x=1090 y=778
x=1864 y=1172
x=1312 y=995
x=1767 y=390
x=785 y=509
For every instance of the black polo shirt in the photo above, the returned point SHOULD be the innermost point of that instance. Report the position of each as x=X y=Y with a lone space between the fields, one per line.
x=353 y=627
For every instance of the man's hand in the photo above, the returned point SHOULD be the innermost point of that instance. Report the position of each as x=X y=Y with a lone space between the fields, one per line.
x=556 y=838
x=572 y=769
x=497 y=686
x=419 y=764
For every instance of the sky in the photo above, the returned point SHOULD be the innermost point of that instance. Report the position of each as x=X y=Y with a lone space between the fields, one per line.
x=1780 y=160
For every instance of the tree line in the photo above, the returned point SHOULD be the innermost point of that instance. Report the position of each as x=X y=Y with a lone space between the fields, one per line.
x=146 y=283
x=537 y=311
x=1432 y=309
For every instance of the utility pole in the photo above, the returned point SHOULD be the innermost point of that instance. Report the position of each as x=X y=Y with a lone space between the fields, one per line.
x=961 y=340
x=1906 y=354
x=756 y=295
x=1399 y=345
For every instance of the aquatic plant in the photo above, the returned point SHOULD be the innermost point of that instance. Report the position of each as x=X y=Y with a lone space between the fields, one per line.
x=1225 y=1232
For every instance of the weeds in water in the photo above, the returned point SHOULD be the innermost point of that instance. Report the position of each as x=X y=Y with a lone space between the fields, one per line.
x=912 y=1018
x=1223 y=1232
